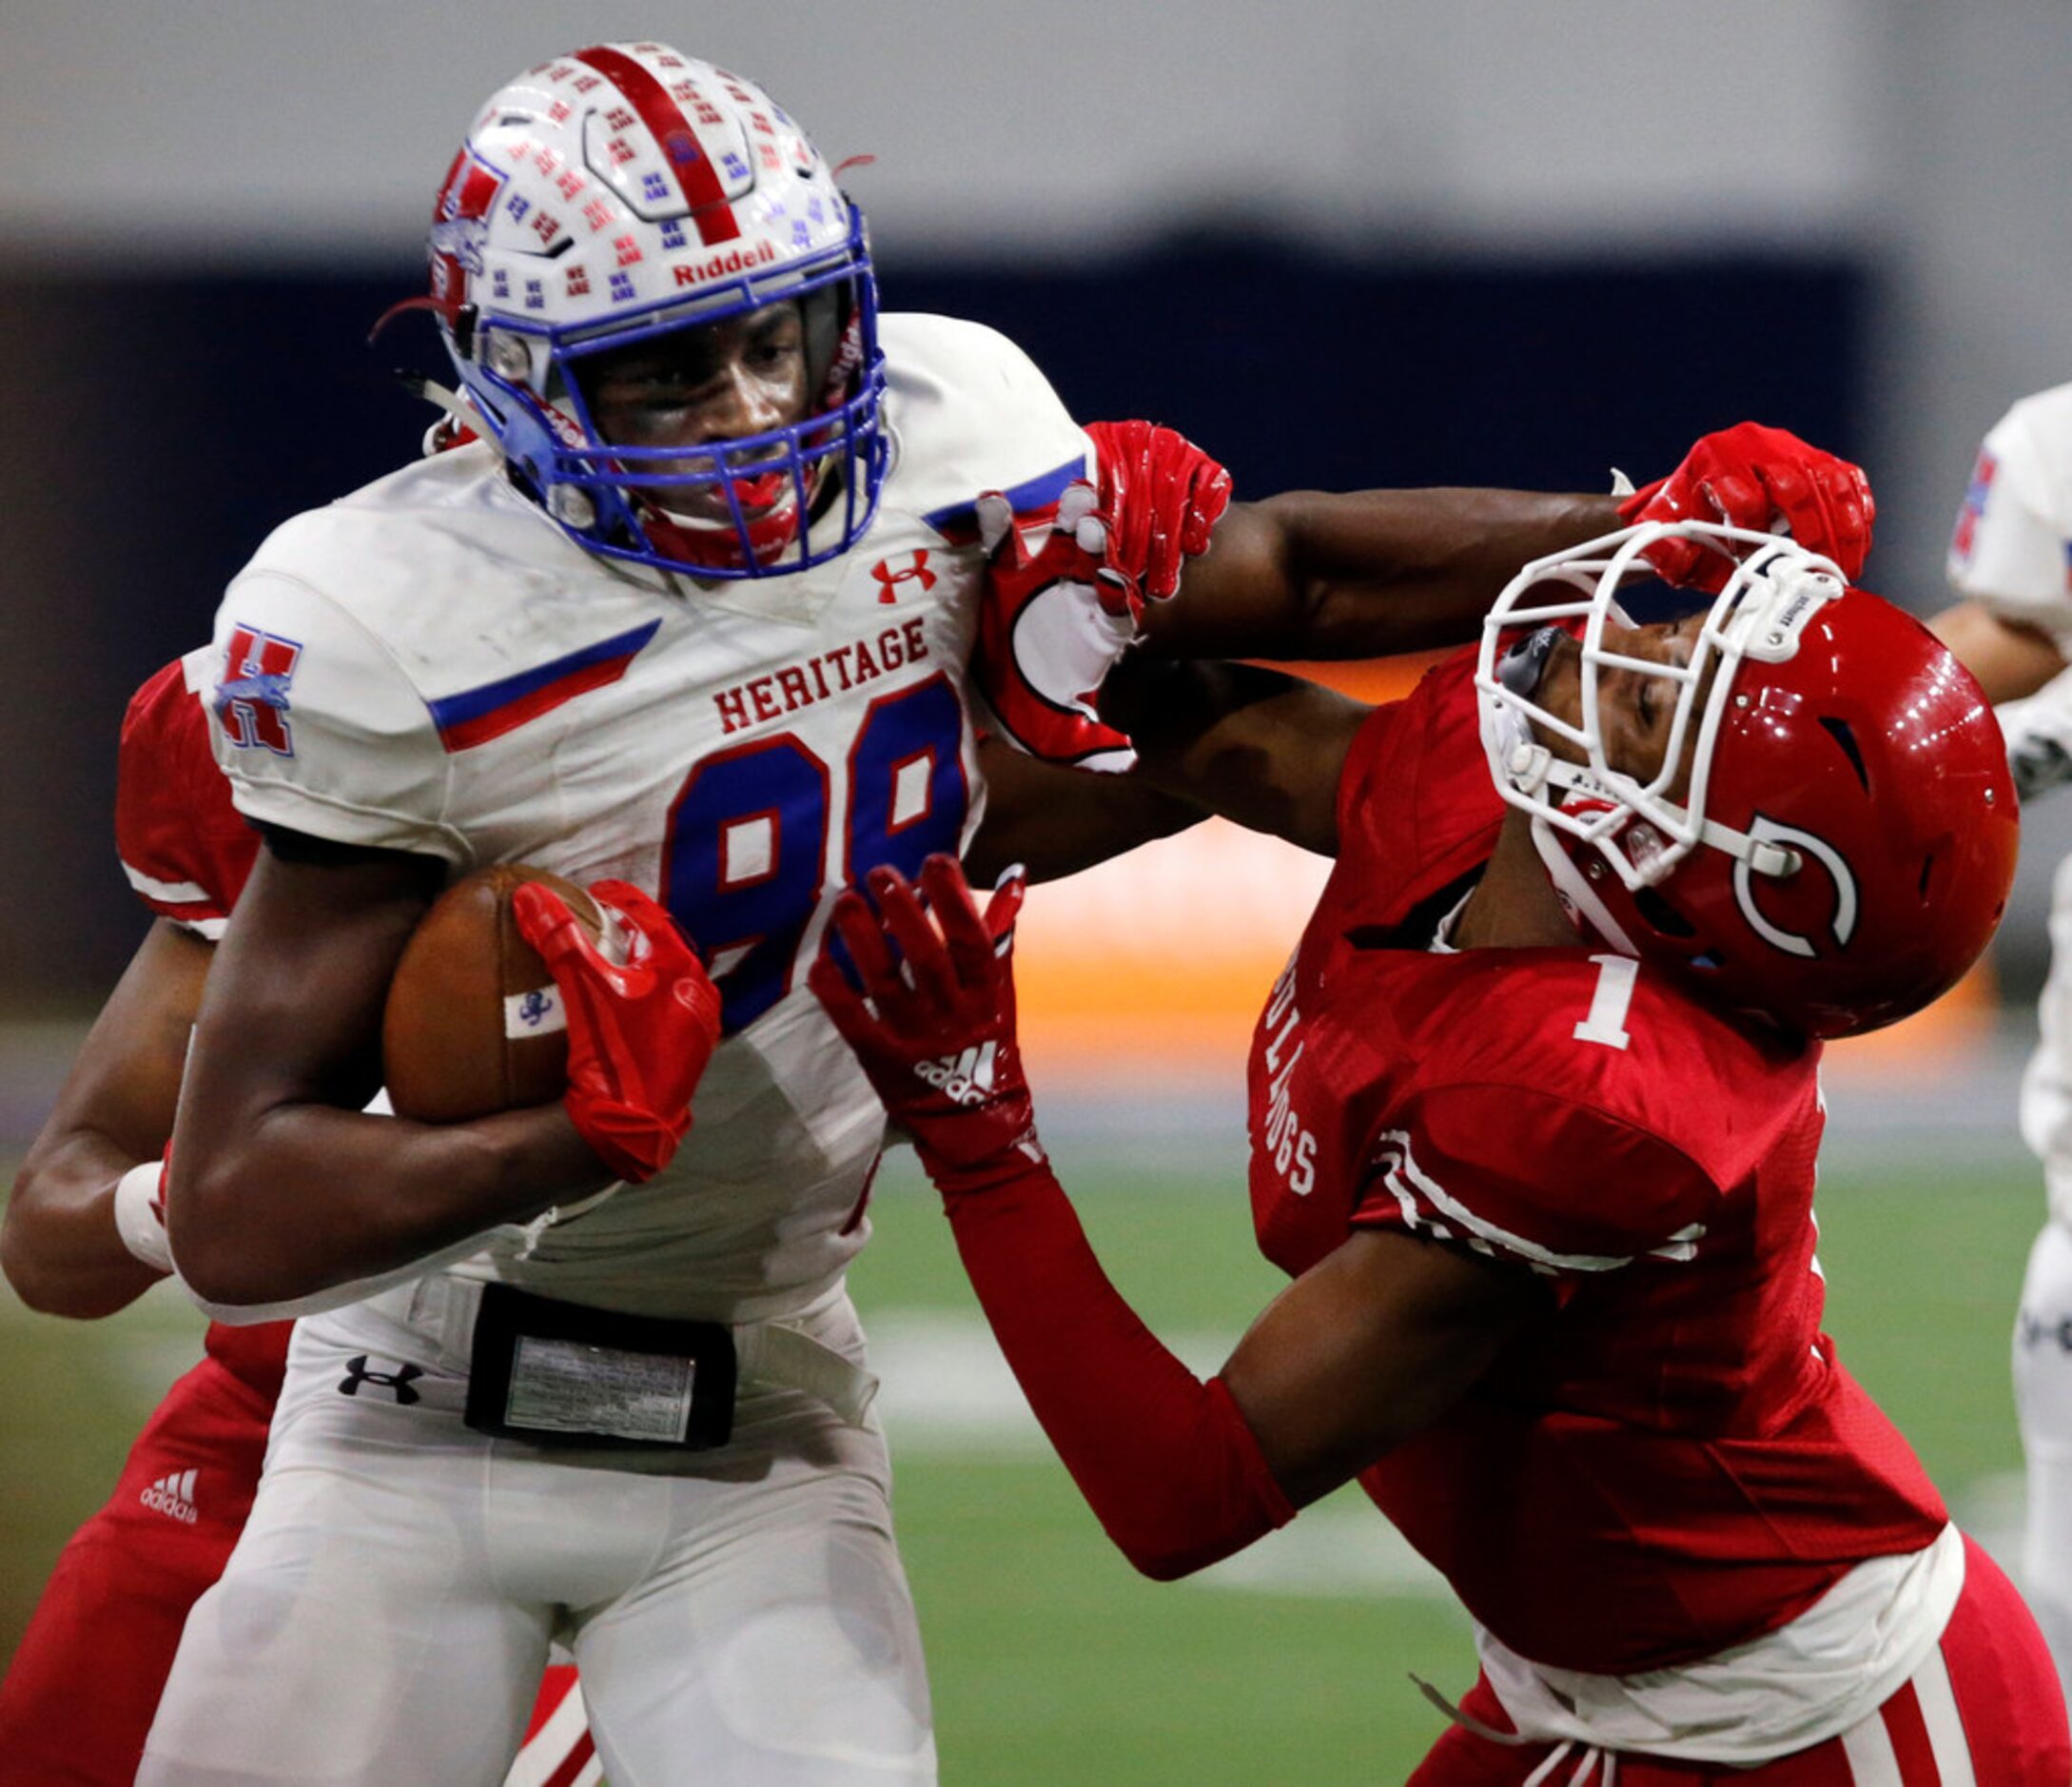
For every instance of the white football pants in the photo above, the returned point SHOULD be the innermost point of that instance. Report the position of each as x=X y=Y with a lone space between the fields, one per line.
x=2042 y=1376
x=738 y=1616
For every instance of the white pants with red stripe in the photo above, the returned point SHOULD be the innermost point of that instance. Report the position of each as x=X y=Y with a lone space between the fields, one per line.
x=739 y=1616
x=1982 y=1710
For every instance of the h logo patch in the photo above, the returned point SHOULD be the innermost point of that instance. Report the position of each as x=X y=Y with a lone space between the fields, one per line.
x=252 y=700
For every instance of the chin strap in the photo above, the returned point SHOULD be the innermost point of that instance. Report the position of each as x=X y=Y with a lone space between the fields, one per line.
x=1577 y=896
x=460 y=413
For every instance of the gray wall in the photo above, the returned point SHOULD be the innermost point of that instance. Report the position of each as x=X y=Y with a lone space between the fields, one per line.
x=258 y=125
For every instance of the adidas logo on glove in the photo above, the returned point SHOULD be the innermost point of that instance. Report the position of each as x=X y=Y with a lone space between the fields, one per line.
x=964 y=1079
x=173 y=1495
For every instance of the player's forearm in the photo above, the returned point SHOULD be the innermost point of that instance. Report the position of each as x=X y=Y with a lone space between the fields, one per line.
x=1310 y=575
x=2012 y=660
x=1252 y=745
x=1163 y=1460
x=1055 y=821
x=60 y=1248
x=1405 y=571
x=308 y=1196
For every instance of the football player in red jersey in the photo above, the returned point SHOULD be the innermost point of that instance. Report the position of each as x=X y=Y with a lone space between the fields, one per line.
x=1546 y=1198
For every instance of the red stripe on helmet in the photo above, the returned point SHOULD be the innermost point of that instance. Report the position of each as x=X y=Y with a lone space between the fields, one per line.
x=685 y=155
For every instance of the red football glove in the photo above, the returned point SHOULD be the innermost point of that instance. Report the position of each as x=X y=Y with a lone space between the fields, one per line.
x=1159 y=500
x=1055 y=616
x=937 y=1035
x=1750 y=476
x=638 y=1035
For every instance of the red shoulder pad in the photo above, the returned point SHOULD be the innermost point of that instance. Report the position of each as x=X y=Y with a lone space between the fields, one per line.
x=185 y=848
x=1536 y=1179
x=1417 y=808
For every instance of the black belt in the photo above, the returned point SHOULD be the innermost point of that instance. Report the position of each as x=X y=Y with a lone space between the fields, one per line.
x=555 y=1373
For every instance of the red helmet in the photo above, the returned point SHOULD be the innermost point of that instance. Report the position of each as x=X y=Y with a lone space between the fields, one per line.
x=1844 y=830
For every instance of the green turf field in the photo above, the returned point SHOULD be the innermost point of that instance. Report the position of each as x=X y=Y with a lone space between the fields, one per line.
x=1051 y=1661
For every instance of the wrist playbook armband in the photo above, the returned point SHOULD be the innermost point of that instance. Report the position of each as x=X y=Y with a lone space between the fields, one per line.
x=140 y=1214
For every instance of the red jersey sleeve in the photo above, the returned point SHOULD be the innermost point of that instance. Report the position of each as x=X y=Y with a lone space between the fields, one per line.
x=1536 y=1179
x=184 y=846
x=1415 y=807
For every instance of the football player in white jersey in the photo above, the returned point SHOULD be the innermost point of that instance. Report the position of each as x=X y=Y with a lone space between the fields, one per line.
x=692 y=621
x=2011 y=560
x=84 y=1234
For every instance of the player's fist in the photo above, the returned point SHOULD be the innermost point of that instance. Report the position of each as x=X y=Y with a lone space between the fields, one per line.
x=1764 y=479
x=1157 y=501
x=928 y=1004
x=639 y=1031
x=1065 y=588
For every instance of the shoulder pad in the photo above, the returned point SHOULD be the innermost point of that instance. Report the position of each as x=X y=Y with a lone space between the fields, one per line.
x=970 y=414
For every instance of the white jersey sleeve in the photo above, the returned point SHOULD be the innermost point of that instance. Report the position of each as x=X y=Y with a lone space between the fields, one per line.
x=320 y=729
x=971 y=413
x=2012 y=546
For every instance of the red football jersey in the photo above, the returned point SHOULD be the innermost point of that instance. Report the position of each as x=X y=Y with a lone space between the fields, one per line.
x=1672 y=1460
x=188 y=852
x=186 y=849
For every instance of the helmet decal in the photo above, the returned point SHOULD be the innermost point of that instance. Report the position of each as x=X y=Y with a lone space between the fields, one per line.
x=1844 y=923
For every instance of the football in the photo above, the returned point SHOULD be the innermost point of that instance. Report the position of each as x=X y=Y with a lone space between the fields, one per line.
x=473 y=1022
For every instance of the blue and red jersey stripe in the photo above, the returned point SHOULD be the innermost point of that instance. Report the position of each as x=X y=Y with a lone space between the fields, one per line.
x=958 y=523
x=475 y=717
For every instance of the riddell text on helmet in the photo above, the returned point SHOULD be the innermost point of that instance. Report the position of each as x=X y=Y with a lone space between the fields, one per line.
x=733 y=261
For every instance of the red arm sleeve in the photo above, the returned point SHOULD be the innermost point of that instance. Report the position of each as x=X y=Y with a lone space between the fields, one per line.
x=1166 y=1461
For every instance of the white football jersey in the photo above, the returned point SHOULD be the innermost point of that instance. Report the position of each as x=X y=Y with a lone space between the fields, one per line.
x=431 y=665
x=2012 y=553
x=2012 y=546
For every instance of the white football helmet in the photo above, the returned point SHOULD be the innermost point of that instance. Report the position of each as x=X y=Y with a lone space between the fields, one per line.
x=621 y=193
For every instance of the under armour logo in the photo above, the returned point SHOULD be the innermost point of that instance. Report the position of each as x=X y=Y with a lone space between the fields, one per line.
x=889 y=580
x=533 y=1006
x=398 y=1380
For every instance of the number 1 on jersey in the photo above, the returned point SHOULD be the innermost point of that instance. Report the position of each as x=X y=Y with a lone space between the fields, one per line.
x=1606 y=1022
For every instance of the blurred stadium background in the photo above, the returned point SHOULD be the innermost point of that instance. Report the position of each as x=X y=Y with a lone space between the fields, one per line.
x=1342 y=242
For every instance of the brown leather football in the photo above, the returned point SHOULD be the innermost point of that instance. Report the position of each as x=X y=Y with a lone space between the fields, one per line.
x=473 y=1023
